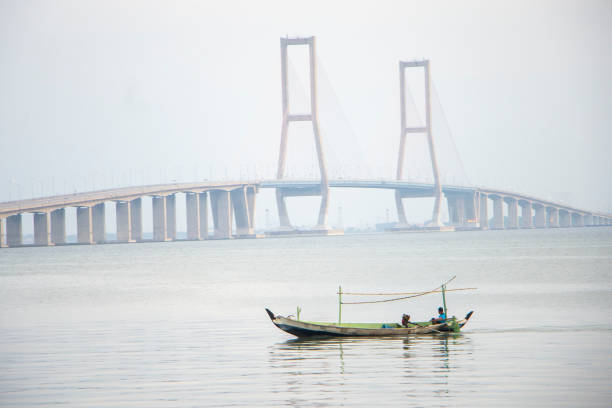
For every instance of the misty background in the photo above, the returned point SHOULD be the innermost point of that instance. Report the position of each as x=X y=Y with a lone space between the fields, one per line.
x=105 y=94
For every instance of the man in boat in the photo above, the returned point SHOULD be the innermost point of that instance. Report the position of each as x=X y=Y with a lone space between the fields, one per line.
x=441 y=316
x=405 y=320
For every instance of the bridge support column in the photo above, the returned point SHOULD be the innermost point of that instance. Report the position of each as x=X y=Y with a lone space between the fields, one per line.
x=564 y=218
x=552 y=218
x=84 y=225
x=159 y=219
x=58 y=226
x=456 y=210
x=484 y=212
x=203 y=208
x=41 y=229
x=222 y=213
x=401 y=213
x=1 y=232
x=283 y=214
x=242 y=214
x=171 y=217
x=526 y=214
x=498 y=213
x=14 y=230
x=192 y=204
x=577 y=220
x=540 y=216
x=588 y=219
x=124 y=221
x=136 y=219
x=469 y=210
x=98 y=217
x=512 y=213
x=251 y=194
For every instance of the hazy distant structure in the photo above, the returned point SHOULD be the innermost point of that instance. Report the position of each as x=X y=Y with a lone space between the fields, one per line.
x=405 y=130
x=227 y=200
x=467 y=205
x=313 y=117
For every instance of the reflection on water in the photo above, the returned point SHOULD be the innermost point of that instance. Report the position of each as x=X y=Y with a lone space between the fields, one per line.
x=420 y=365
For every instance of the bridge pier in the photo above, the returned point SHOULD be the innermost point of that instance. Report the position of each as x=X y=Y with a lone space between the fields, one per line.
x=512 y=212
x=136 y=219
x=14 y=230
x=197 y=215
x=171 y=217
x=540 y=216
x=84 y=225
x=192 y=204
x=552 y=219
x=564 y=218
x=283 y=214
x=588 y=219
x=159 y=219
x=243 y=203
x=1 y=232
x=484 y=212
x=58 y=226
x=222 y=214
x=462 y=209
x=577 y=220
x=456 y=210
x=469 y=210
x=498 y=212
x=98 y=217
x=526 y=214
x=124 y=221
x=203 y=208
x=41 y=229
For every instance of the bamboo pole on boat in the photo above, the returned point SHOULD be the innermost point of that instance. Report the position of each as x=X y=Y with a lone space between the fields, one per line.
x=339 y=305
x=444 y=300
x=403 y=293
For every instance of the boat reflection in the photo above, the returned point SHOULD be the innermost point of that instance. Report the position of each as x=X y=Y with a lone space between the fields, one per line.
x=331 y=364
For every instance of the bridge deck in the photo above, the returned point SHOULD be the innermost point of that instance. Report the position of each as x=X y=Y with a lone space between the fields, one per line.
x=128 y=193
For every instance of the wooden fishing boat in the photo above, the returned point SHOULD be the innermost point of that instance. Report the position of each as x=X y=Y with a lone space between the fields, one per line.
x=301 y=328
x=309 y=329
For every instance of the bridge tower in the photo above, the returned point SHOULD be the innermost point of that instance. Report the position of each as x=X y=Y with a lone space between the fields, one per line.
x=313 y=117
x=437 y=190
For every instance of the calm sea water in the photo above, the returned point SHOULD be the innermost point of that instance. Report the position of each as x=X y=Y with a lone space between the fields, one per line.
x=183 y=324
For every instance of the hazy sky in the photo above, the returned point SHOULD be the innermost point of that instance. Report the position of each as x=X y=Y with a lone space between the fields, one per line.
x=101 y=93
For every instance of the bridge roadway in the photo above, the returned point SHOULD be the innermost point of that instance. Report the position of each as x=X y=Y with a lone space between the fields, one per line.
x=236 y=201
x=467 y=205
x=226 y=198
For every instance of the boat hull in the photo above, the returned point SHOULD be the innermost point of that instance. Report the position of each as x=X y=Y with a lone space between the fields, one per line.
x=310 y=329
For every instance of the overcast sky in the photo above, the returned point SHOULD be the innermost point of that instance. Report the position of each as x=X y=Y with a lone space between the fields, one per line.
x=101 y=93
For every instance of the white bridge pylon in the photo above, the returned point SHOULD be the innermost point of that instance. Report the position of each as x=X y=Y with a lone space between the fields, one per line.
x=405 y=130
x=313 y=117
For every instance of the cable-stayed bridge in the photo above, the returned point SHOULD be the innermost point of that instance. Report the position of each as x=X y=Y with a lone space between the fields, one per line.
x=232 y=204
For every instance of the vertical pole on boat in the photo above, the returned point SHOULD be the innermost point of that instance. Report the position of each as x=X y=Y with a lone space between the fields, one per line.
x=444 y=299
x=339 y=305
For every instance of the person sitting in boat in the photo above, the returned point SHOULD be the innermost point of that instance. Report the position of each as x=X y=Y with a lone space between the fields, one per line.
x=441 y=316
x=405 y=320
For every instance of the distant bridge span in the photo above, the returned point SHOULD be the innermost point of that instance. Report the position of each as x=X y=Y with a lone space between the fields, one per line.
x=467 y=204
x=226 y=198
x=235 y=202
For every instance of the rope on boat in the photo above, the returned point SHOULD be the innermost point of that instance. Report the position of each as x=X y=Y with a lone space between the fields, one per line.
x=437 y=289
x=401 y=293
